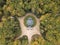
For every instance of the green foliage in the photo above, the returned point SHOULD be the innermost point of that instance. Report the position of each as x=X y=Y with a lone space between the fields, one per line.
x=50 y=25
x=37 y=40
x=40 y=7
x=24 y=40
x=9 y=28
x=2 y=3
x=48 y=10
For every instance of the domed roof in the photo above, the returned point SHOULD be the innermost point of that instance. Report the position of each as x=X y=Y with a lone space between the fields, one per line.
x=30 y=22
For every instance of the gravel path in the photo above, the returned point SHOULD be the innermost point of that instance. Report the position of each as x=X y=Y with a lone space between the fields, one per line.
x=29 y=32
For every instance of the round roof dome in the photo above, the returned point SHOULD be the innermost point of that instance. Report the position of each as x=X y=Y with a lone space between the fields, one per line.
x=29 y=21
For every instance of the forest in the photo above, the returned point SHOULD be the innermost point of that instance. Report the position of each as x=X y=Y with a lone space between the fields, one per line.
x=47 y=11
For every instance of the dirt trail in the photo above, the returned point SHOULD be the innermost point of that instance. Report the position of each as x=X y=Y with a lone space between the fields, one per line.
x=29 y=32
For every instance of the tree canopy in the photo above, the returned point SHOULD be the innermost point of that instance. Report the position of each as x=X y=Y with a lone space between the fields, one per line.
x=38 y=7
x=48 y=11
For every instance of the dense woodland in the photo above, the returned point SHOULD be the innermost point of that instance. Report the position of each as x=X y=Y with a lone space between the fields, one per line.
x=48 y=11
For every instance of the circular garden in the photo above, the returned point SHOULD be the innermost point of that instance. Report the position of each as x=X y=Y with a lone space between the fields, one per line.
x=29 y=21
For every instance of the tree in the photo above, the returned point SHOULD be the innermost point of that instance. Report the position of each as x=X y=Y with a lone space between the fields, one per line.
x=40 y=7
x=48 y=11
x=50 y=27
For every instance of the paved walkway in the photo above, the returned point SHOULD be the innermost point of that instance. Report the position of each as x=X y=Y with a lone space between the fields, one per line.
x=29 y=32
